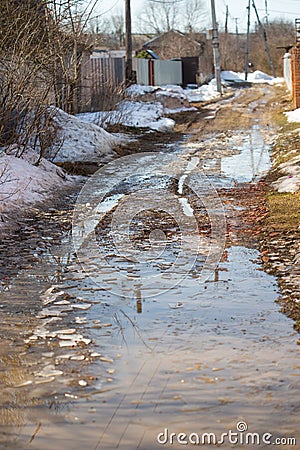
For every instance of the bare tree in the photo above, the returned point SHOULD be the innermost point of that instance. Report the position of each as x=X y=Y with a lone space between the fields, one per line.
x=42 y=45
x=280 y=35
x=117 y=28
x=194 y=15
x=24 y=85
x=160 y=16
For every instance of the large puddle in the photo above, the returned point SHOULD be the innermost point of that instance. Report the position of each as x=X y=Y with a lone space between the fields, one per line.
x=115 y=351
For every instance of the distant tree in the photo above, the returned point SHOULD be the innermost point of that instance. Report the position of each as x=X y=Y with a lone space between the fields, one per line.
x=118 y=28
x=193 y=15
x=280 y=34
x=161 y=16
x=232 y=51
x=232 y=48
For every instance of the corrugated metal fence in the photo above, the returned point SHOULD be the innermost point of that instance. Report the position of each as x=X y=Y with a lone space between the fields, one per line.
x=157 y=72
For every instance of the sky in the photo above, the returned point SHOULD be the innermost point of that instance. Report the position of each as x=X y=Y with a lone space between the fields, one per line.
x=286 y=9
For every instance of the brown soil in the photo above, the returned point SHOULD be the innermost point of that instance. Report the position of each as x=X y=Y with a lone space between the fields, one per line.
x=149 y=142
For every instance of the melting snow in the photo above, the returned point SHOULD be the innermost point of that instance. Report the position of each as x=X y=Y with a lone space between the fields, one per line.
x=293 y=116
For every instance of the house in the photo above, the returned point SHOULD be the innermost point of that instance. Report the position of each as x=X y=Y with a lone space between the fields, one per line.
x=193 y=49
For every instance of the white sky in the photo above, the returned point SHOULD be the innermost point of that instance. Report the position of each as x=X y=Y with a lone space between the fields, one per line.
x=286 y=9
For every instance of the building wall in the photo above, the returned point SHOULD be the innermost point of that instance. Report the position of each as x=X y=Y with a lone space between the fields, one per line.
x=295 y=65
x=287 y=70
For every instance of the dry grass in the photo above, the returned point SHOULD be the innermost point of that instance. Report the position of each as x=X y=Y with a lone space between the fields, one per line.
x=284 y=211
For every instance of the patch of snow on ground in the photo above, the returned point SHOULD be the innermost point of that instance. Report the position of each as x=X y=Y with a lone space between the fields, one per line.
x=203 y=93
x=81 y=141
x=293 y=116
x=253 y=77
x=291 y=181
x=179 y=110
x=173 y=98
x=137 y=90
x=259 y=76
x=229 y=75
x=22 y=182
x=133 y=114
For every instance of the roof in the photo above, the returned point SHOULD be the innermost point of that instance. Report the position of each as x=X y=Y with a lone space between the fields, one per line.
x=179 y=33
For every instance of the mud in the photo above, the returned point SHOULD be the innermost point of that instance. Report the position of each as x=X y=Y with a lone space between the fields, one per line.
x=85 y=368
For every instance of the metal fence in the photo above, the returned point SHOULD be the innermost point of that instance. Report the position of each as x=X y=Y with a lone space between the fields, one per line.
x=141 y=67
x=157 y=72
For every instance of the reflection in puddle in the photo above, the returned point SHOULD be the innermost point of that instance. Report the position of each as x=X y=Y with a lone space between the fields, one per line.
x=252 y=162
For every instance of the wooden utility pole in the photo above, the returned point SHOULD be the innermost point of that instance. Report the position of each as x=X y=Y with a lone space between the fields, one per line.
x=226 y=20
x=128 y=39
x=265 y=39
x=216 y=49
x=247 y=42
x=236 y=26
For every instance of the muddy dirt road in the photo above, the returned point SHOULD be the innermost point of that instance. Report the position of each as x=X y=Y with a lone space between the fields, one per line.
x=152 y=315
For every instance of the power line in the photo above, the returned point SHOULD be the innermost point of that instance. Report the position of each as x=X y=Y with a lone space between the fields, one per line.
x=282 y=12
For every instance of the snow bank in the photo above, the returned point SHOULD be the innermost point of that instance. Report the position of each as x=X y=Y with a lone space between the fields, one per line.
x=291 y=181
x=229 y=75
x=137 y=90
x=133 y=114
x=173 y=98
x=253 y=77
x=293 y=116
x=259 y=77
x=204 y=93
x=79 y=141
x=23 y=183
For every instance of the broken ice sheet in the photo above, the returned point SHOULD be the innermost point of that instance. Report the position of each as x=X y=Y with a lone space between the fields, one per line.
x=49 y=371
x=49 y=296
x=78 y=358
x=175 y=305
x=80 y=320
x=66 y=331
x=105 y=359
x=83 y=306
